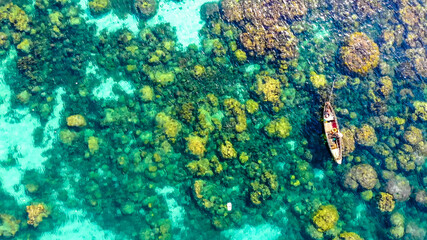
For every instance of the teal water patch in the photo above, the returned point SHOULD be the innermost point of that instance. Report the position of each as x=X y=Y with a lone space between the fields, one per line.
x=17 y=139
x=105 y=89
x=109 y=21
x=291 y=145
x=320 y=32
x=318 y=173
x=248 y=232
x=184 y=16
x=176 y=212
x=252 y=68
x=78 y=227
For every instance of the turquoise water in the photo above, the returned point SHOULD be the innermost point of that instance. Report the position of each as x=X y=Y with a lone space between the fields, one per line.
x=195 y=119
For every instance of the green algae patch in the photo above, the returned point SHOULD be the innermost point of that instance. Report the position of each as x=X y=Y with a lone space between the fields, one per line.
x=162 y=77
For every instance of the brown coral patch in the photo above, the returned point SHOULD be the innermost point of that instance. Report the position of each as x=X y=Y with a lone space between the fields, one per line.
x=360 y=54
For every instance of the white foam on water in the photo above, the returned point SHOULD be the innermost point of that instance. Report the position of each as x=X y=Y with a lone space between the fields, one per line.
x=248 y=232
x=78 y=227
x=184 y=16
x=17 y=141
x=109 y=21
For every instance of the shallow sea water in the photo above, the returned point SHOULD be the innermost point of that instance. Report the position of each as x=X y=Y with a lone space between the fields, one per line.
x=196 y=119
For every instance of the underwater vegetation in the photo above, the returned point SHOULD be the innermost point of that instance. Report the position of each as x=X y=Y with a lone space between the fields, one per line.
x=127 y=132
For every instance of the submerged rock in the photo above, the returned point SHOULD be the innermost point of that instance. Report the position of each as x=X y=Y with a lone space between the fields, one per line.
x=360 y=54
x=400 y=188
x=363 y=175
x=325 y=218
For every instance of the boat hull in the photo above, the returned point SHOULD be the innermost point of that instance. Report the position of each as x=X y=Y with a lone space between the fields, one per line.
x=332 y=132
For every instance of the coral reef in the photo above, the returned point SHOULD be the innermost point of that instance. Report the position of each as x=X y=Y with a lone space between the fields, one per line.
x=420 y=63
x=260 y=192
x=367 y=8
x=367 y=195
x=24 y=96
x=279 y=128
x=363 y=175
x=318 y=80
x=36 y=213
x=420 y=110
x=415 y=232
x=264 y=183
x=366 y=136
x=220 y=135
x=170 y=126
x=76 y=121
x=266 y=12
x=240 y=55
x=386 y=202
x=209 y=197
x=3 y=40
x=313 y=232
x=228 y=151
x=278 y=41
x=147 y=93
x=385 y=86
x=412 y=15
x=413 y=135
x=421 y=198
x=161 y=77
x=25 y=45
x=264 y=31
x=204 y=167
x=9 y=225
x=251 y=106
x=198 y=70
x=236 y=109
x=325 y=218
x=146 y=8
x=16 y=16
x=67 y=136
x=400 y=188
x=269 y=89
x=360 y=54
x=349 y=236
x=196 y=145
x=198 y=188
x=398 y=225
x=99 y=6
x=93 y=144
x=348 y=141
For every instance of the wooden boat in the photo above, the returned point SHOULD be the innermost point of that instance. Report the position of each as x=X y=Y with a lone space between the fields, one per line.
x=332 y=131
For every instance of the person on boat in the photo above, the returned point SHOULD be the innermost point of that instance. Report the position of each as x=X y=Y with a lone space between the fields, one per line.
x=335 y=136
x=328 y=116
